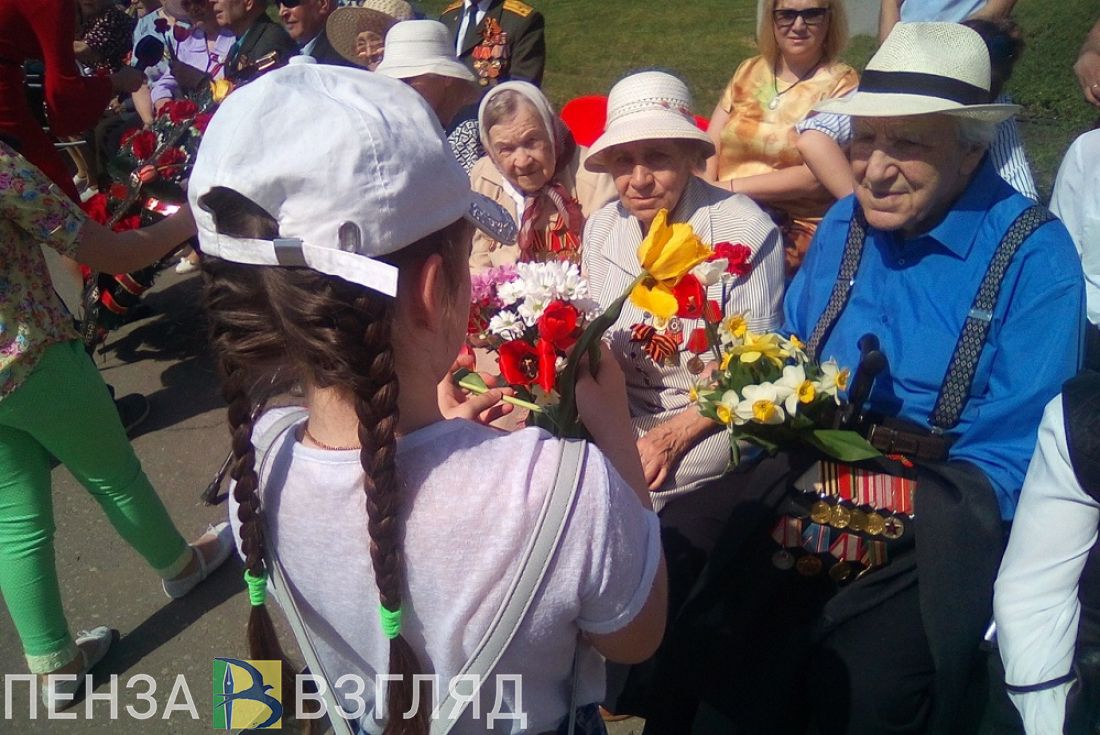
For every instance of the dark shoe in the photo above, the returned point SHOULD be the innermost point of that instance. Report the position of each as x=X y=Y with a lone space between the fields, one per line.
x=132 y=410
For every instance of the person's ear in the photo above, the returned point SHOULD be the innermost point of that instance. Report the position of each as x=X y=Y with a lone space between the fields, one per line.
x=427 y=296
x=971 y=158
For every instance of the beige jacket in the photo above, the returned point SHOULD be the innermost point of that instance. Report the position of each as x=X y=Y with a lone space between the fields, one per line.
x=591 y=191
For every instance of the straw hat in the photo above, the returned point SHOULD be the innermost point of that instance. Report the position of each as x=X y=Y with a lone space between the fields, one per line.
x=345 y=24
x=925 y=68
x=417 y=47
x=650 y=105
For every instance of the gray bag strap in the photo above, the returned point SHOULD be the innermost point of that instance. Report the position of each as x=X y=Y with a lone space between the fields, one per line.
x=534 y=563
x=278 y=584
x=955 y=388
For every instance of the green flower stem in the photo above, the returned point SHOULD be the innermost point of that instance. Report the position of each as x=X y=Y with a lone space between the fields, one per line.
x=588 y=340
x=466 y=382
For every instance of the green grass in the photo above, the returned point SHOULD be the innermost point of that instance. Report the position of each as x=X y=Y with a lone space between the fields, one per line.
x=592 y=43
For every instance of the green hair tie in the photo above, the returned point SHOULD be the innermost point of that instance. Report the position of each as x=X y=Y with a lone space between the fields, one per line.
x=257 y=588
x=391 y=621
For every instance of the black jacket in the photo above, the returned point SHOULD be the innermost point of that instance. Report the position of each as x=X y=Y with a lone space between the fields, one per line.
x=262 y=38
x=526 y=58
x=326 y=54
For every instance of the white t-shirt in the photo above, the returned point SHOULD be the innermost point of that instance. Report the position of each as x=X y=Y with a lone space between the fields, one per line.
x=1076 y=201
x=1035 y=601
x=473 y=495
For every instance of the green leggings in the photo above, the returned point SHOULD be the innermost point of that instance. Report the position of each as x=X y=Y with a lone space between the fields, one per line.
x=63 y=409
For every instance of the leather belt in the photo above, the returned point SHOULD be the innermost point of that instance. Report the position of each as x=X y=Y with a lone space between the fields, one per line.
x=891 y=440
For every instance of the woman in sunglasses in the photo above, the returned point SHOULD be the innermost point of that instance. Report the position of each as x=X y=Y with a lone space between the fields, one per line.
x=753 y=126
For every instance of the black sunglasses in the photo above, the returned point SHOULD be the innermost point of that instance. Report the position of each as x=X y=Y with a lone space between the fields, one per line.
x=290 y=3
x=810 y=16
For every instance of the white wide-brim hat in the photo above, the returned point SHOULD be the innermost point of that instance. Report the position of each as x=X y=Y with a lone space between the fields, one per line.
x=353 y=166
x=345 y=24
x=418 y=47
x=650 y=105
x=923 y=69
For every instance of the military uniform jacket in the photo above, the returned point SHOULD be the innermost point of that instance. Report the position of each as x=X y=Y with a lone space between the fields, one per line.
x=518 y=51
x=262 y=38
x=326 y=54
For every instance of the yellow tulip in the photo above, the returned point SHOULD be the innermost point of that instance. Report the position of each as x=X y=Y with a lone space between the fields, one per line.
x=667 y=253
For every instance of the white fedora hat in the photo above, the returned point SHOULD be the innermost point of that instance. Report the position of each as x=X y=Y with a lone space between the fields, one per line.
x=417 y=47
x=925 y=68
x=649 y=105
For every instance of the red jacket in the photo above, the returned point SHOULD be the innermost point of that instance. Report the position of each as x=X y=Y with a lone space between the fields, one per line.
x=45 y=29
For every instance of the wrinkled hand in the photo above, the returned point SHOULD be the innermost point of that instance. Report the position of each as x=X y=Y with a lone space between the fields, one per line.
x=188 y=76
x=660 y=449
x=1087 y=70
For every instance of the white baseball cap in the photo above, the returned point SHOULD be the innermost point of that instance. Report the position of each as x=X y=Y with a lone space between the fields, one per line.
x=417 y=47
x=352 y=165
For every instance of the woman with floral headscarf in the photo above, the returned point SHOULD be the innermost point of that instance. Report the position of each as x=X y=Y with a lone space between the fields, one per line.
x=533 y=169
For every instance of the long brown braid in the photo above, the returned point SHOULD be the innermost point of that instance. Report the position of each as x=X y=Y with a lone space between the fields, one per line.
x=301 y=324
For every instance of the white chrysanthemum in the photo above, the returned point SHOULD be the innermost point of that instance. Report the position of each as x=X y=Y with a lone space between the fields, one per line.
x=531 y=309
x=553 y=280
x=506 y=325
x=512 y=291
x=588 y=308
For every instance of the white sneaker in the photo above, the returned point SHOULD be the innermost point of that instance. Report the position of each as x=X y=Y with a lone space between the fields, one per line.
x=88 y=193
x=59 y=691
x=186 y=266
x=177 y=588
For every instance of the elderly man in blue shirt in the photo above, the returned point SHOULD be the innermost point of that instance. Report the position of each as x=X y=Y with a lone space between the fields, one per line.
x=977 y=299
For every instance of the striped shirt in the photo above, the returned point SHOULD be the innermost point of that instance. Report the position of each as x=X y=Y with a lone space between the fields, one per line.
x=1006 y=150
x=657 y=393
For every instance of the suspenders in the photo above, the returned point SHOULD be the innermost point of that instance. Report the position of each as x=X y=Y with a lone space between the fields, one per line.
x=959 y=378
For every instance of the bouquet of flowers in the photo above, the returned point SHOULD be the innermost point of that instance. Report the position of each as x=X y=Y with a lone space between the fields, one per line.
x=767 y=391
x=531 y=315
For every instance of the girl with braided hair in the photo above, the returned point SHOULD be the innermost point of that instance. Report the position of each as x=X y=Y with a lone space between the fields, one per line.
x=396 y=519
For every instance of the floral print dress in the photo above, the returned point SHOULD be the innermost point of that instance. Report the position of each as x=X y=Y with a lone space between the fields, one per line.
x=32 y=211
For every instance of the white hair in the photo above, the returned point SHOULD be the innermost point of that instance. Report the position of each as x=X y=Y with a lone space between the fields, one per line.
x=974 y=133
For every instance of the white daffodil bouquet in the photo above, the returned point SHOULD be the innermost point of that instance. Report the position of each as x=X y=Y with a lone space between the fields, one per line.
x=768 y=392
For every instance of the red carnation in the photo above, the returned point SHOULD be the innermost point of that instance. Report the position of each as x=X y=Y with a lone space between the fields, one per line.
x=118 y=191
x=698 y=342
x=739 y=257
x=96 y=208
x=519 y=362
x=128 y=136
x=691 y=297
x=161 y=25
x=128 y=223
x=558 y=324
x=182 y=110
x=201 y=121
x=143 y=144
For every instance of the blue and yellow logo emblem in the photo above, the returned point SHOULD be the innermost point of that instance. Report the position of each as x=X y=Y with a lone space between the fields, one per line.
x=247 y=694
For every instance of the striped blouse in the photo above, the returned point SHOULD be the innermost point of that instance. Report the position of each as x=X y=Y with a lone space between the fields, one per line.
x=656 y=393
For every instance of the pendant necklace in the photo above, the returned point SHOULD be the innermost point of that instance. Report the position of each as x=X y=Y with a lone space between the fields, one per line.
x=774 y=102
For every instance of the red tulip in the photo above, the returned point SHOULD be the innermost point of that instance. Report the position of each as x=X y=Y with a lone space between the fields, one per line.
x=714 y=312
x=519 y=362
x=180 y=33
x=698 y=342
x=558 y=324
x=147 y=173
x=691 y=297
x=548 y=358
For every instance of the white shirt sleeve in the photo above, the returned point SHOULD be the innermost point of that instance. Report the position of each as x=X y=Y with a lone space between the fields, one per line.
x=1035 y=602
x=1076 y=201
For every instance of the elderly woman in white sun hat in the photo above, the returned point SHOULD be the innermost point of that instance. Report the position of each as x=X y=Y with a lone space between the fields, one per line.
x=653 y=150
x=420 y=54
x=358 y=31
x=533 y=169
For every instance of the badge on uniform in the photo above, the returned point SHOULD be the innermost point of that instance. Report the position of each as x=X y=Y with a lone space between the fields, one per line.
x=491 y=56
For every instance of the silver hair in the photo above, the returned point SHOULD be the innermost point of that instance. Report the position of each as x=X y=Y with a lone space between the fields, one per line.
x=974 y=133
x=503 y=106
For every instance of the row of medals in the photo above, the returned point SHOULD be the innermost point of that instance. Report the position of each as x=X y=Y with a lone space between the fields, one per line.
x=491 y=56
x=848 y=518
